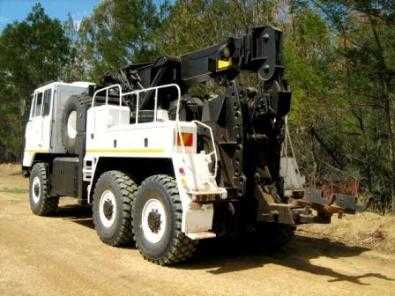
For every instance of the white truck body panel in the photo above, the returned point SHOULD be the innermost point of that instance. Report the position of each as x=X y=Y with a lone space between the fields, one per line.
x=110 y=134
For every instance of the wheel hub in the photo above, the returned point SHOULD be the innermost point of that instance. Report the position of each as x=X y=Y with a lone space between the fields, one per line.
x=72 y=125
x=108 y=209
x=154 y=221
x=36 y=188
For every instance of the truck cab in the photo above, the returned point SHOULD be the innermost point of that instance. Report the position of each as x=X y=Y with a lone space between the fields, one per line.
x=44 y=124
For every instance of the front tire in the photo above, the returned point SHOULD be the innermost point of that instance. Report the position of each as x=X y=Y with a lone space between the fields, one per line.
x=157 y=216
x=112 y=203
x=41 y=203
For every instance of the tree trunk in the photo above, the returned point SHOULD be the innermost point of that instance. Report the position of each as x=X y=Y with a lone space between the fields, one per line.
x=391 y=141
x=385 y=77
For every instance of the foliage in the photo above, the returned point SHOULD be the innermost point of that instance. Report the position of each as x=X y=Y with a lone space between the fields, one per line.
x=32 y=52
x=354 y=124
x=117 y=33
x=200 y=23
x=339 y=57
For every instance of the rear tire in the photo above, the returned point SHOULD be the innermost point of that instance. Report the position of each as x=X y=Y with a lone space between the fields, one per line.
x=112 y=203
x=41 y=203
x=157 y=216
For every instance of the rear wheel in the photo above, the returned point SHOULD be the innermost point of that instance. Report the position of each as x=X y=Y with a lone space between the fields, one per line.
x=41 y=203
x=157 y=216
x=114 y=192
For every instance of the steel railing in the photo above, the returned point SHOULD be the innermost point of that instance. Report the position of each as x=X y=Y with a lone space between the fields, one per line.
x=138 y=93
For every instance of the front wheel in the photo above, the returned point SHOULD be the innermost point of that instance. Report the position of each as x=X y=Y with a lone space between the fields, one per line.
x=157 y=216
x=41 y=203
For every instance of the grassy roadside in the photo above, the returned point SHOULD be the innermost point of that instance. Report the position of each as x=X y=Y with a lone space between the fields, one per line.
x=366 y=229
x=12 y=184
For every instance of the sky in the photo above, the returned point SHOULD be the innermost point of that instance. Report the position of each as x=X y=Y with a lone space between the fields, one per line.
x=17 y=10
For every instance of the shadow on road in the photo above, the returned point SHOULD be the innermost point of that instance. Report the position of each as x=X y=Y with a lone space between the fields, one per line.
x=76 y=213
x=231 y=256
x=225 y=256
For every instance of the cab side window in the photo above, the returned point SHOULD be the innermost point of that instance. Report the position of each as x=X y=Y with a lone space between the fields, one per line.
x=33 y=107
x=47 y=102
x=39 y=102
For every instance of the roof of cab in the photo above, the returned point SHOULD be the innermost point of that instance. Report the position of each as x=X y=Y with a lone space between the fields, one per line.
x=81 y=84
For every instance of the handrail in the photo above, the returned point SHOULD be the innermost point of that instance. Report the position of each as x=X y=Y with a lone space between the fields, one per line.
x=107 y=89
x=137 y=93
x=156 y=88
x=213 y=143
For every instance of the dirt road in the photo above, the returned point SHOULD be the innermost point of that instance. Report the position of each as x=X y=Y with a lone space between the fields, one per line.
x=63 y=256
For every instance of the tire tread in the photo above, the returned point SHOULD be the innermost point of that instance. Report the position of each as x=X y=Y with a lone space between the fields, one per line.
x=49 y=204
x=181 y=247
x=128 y=189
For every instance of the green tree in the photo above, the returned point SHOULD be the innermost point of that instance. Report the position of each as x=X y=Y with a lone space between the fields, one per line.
x=75 y=69
x=118 y=33
x=362 y=135
x=309 y=55
x=31 y=52
x=195 y=24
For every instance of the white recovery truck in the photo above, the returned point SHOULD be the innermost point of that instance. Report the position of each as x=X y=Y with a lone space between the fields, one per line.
x=162 y=169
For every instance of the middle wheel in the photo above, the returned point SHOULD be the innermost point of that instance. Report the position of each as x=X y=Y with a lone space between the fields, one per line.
x=112 y=202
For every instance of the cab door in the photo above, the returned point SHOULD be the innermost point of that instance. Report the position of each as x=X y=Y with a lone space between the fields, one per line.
x=46 y=119
x=38 y=129
x=33 y=134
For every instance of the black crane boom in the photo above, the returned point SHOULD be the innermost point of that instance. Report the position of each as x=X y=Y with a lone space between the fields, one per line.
x=248 y=122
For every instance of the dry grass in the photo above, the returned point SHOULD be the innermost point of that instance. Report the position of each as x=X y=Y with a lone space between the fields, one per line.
x=11 y=179
x=364 y=229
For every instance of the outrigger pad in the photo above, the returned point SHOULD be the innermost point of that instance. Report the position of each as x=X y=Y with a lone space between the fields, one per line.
x=335 y=203
x=346 y=202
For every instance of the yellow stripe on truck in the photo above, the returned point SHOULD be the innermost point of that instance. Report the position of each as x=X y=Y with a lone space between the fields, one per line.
x=36 y=150
x=125 y=150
